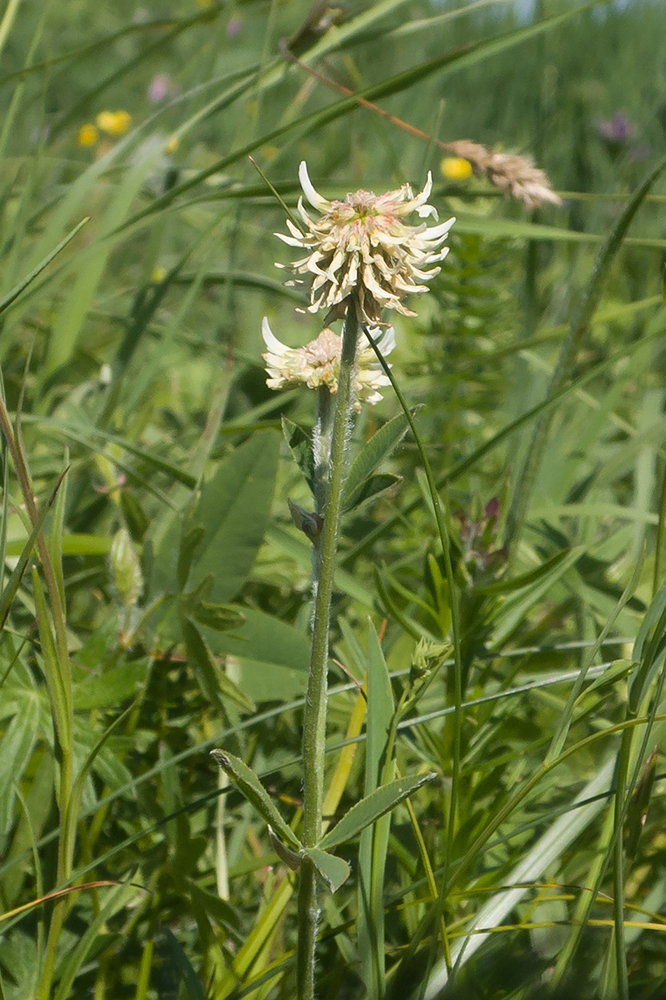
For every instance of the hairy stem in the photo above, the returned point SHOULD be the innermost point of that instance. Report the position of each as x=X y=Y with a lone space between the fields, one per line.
x=314 y=721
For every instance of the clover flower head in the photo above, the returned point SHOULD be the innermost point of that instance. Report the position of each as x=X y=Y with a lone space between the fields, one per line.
x=361 y=247
x=318 y=363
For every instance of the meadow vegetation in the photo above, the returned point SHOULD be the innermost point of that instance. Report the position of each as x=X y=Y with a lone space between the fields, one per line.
x=497 y=651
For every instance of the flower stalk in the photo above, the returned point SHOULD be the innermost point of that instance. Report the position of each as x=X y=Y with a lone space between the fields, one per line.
x=314 y=721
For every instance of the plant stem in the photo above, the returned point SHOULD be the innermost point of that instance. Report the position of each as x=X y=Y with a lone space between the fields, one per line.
x=314 y=721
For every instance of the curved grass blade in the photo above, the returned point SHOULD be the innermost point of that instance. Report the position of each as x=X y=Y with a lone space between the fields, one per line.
x=12 y=296
x=9 y=592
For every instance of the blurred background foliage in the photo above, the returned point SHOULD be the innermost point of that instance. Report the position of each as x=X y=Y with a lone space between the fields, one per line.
x=134 y=361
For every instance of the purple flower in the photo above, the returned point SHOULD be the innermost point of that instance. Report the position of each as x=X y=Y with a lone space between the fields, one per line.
x=159 y=88
x=616 y=130
x=234 y=27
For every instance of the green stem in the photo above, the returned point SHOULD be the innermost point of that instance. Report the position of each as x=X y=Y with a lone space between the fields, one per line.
x=455 y=634
x=659 y=543
x=314 y=721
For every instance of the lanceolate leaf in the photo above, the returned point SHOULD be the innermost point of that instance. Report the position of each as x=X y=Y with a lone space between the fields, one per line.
x=300 y=446
x=371 y=487
x=371 y=455
x=381 y=801
x=248 y=783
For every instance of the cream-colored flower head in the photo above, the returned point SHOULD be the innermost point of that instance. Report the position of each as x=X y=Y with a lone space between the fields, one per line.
x=318 y=363
x=362 y=247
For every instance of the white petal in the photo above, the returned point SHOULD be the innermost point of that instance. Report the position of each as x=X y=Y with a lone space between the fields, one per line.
x=291 y=241
x=272 y=343
x=435 y=231
x=387 y=341
x=313 y=197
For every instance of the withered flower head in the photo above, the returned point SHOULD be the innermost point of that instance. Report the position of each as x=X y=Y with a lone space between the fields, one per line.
x=318 y=363
x=360 y=246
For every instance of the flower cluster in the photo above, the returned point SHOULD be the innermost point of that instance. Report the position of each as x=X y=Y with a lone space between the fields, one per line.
x=361 y=247
x=318 y=363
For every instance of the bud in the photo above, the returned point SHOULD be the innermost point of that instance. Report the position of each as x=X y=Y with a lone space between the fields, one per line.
x=126 y=568
x=427 y=657
x=306 y=521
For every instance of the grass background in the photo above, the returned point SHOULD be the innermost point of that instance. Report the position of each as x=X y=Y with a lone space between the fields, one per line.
x=134 y=360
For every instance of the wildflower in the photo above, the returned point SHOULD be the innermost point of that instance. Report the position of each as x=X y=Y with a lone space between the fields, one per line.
x=318 y=363
x=360 y=247
x=618 y=130
x=113 y=122
x=234 y=27
x=88 y=135
x=455 y=168
x=159 y=88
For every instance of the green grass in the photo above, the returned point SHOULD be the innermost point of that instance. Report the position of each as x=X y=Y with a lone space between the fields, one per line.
x=156 y=596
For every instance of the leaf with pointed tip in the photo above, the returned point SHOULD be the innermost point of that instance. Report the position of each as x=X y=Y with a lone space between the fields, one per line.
x=371 y=487
x=219 y=617
x=248 y=783
x=299 y=443
x=189 y=542
x=368 y=810
x=371 y=455
x=334 y=871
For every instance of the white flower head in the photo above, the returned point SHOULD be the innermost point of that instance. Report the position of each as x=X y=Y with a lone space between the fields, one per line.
x=360 y=246
x=318 y=363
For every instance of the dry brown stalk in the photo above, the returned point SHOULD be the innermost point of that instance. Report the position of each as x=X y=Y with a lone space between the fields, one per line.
x=516 y=176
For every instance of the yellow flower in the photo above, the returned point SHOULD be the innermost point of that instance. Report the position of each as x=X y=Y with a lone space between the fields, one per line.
x=454 y=168
x=360 y=247
x=114 y=122
x=318 y=363
x=88 y=135
x=173 y=144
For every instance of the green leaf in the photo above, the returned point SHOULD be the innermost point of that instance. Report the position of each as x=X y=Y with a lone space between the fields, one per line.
x=12 y=585
x=515 y=609
x=213 y=682
x=16 y=748
x=219 y=617
x=373 y=847
x=334 y=871
x=369 y=809
x=190 y=540
x=248 y=783
x=114 y=900
x=299 y=443
x=371 y=487
x=234 y=509
x=371 y=455
x=112 y=687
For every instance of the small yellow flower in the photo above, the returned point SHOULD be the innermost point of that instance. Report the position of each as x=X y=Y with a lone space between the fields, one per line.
x=114 y=122
x=159 y=274
x=173 y=144
x=318 y=363
x=88 y=135
x=454 y=168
